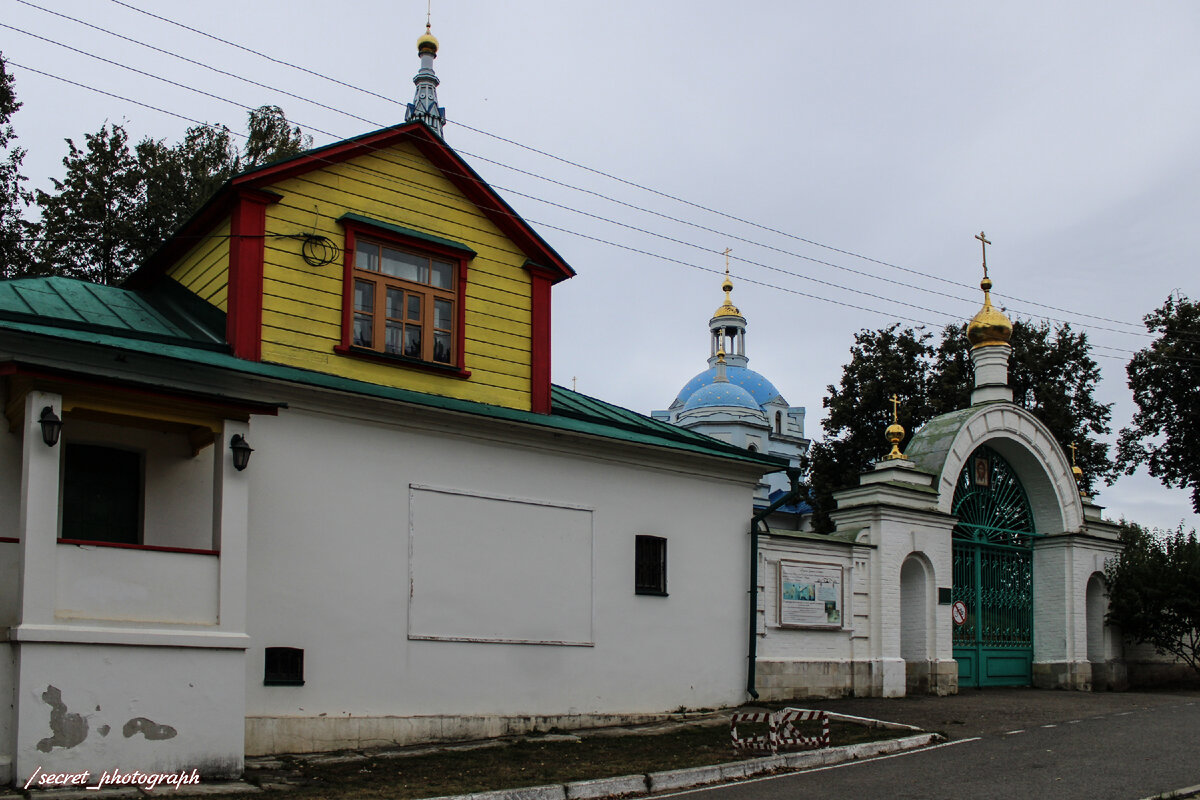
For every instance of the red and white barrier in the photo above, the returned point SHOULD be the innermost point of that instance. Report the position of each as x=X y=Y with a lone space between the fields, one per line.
x=781 y=731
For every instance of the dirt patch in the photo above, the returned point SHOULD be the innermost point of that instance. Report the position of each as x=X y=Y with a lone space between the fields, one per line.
x=527 y=761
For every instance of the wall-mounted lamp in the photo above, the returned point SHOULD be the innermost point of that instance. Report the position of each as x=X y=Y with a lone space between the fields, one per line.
x=241 y=451
x=51 y=426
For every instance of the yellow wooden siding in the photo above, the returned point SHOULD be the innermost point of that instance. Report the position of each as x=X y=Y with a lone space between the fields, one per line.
x=302 y=305
x=204 y=271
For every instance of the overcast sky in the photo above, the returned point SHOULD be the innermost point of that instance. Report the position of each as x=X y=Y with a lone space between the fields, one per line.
x=846 y=152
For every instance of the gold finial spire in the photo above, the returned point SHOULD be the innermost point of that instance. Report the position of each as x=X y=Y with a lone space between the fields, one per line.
x=428 y=41
x=895 y=432
x=1075 y=470
x=727 y=309
x=989 y=326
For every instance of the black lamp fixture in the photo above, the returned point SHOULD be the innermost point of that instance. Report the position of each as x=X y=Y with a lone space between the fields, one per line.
x=241 y=451
x=51 y=426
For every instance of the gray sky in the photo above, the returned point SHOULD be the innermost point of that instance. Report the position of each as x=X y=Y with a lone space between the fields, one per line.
x=891 y=131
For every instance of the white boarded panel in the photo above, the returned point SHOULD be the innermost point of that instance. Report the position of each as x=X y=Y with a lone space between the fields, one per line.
x=495 y=569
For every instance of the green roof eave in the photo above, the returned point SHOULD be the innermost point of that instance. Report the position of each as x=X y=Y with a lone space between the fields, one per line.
x=650 y=435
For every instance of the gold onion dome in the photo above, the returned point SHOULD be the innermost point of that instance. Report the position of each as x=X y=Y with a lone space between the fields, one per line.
x=989 y=326
x=427 y=41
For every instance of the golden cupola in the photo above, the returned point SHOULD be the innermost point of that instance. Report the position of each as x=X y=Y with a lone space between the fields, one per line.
x=727 y=309
x=989 y=326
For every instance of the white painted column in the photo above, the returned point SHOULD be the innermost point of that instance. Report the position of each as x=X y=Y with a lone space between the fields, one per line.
x=231 y=522
x=991 y=374
x=38 y=526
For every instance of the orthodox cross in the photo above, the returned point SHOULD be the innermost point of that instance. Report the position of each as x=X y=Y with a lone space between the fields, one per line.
x=1072 y=446
x=895 y=401
x=983 y=238
x=574 y=388
x=727 y=252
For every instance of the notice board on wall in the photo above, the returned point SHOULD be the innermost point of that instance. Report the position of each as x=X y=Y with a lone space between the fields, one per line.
x=811 y=595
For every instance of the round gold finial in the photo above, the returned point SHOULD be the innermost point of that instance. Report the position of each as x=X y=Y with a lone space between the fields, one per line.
x=427 y=42
x=894 y=434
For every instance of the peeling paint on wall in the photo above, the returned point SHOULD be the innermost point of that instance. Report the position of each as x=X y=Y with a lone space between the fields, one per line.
x=68 y=729
x=148 y=728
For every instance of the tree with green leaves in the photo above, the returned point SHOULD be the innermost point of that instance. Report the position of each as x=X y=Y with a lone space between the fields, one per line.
x=1165 y=379
x=1154 y=591
x=116 y=206
x=89 y=228
x=15 y=258
x=1051 y=373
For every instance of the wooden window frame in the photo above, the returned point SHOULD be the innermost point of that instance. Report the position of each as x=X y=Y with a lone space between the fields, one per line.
x=356 y=231
x=650 y=556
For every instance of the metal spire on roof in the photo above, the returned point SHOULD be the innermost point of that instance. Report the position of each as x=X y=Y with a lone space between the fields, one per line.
x=424 y=107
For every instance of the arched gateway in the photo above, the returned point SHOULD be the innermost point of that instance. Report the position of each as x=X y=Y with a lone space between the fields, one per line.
x=993 y=574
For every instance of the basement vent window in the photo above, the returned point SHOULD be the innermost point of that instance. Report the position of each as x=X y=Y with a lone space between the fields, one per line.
x=650 y=566
x=284 y=667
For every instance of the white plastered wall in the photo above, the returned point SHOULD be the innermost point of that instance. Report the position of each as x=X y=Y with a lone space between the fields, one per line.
x=329 y=562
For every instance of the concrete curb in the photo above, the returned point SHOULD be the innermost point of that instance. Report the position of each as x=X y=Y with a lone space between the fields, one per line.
x=699 y=776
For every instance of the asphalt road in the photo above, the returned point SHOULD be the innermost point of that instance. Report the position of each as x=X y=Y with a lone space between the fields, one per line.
x=1122 y=747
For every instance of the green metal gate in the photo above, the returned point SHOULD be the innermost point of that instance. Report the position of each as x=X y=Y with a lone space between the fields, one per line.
x=993 y=574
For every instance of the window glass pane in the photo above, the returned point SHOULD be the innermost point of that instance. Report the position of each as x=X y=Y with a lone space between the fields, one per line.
x=441 y=347
x=441 y=314
x=362 y=330
x=364 y=296
x=443 y=274
x=366 y=256
x=395 y=302
x=102 y=494
x=405 y=266
x=392 y=336
x=414 y=308
x=412 y=341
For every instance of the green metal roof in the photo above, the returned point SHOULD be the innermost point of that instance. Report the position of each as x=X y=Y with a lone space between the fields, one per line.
x=68 y=303
x=136 y=322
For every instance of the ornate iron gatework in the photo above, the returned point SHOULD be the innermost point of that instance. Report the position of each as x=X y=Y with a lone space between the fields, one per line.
x=993 y=574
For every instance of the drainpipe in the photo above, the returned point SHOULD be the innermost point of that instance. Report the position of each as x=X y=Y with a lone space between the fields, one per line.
x=793 y=495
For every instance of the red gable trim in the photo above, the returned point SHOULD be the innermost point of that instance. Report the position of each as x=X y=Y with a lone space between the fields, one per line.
x=539 y=356
x=457 y=171
x=247 y=246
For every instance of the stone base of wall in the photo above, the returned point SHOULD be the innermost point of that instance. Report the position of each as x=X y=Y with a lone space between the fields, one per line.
x=781 y=680
x=931 y=677
x=1072 y=675
x=1147 y=674
x=1110 y=676
x=275 y=735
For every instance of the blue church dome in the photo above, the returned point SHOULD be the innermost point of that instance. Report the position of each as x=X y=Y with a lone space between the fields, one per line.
x=759 y=388
x=723 y=394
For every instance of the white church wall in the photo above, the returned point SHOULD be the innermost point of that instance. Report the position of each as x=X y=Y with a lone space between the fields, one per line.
x=329 y=565
x=8 y=721
x=157 y=709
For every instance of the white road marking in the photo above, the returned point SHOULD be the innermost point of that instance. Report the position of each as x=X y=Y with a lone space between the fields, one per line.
x=1014 y=733
x=1188 y=792
x=1050 y=726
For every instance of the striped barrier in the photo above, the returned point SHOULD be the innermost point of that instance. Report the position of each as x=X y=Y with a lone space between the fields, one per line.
x=786 y=735
x=759 y=743
x=782 y=733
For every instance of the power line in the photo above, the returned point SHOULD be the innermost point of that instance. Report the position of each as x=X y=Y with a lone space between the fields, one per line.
x=613 y=177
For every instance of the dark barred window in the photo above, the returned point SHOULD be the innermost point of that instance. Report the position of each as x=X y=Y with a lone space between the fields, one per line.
x=650 y=561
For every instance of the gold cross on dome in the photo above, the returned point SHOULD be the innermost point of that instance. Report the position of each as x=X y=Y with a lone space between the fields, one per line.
x=1072 y=446
x=727 y=252
x=895 y=401
x=983 y=238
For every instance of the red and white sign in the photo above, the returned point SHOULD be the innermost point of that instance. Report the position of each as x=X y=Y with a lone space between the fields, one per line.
x=959 y=612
